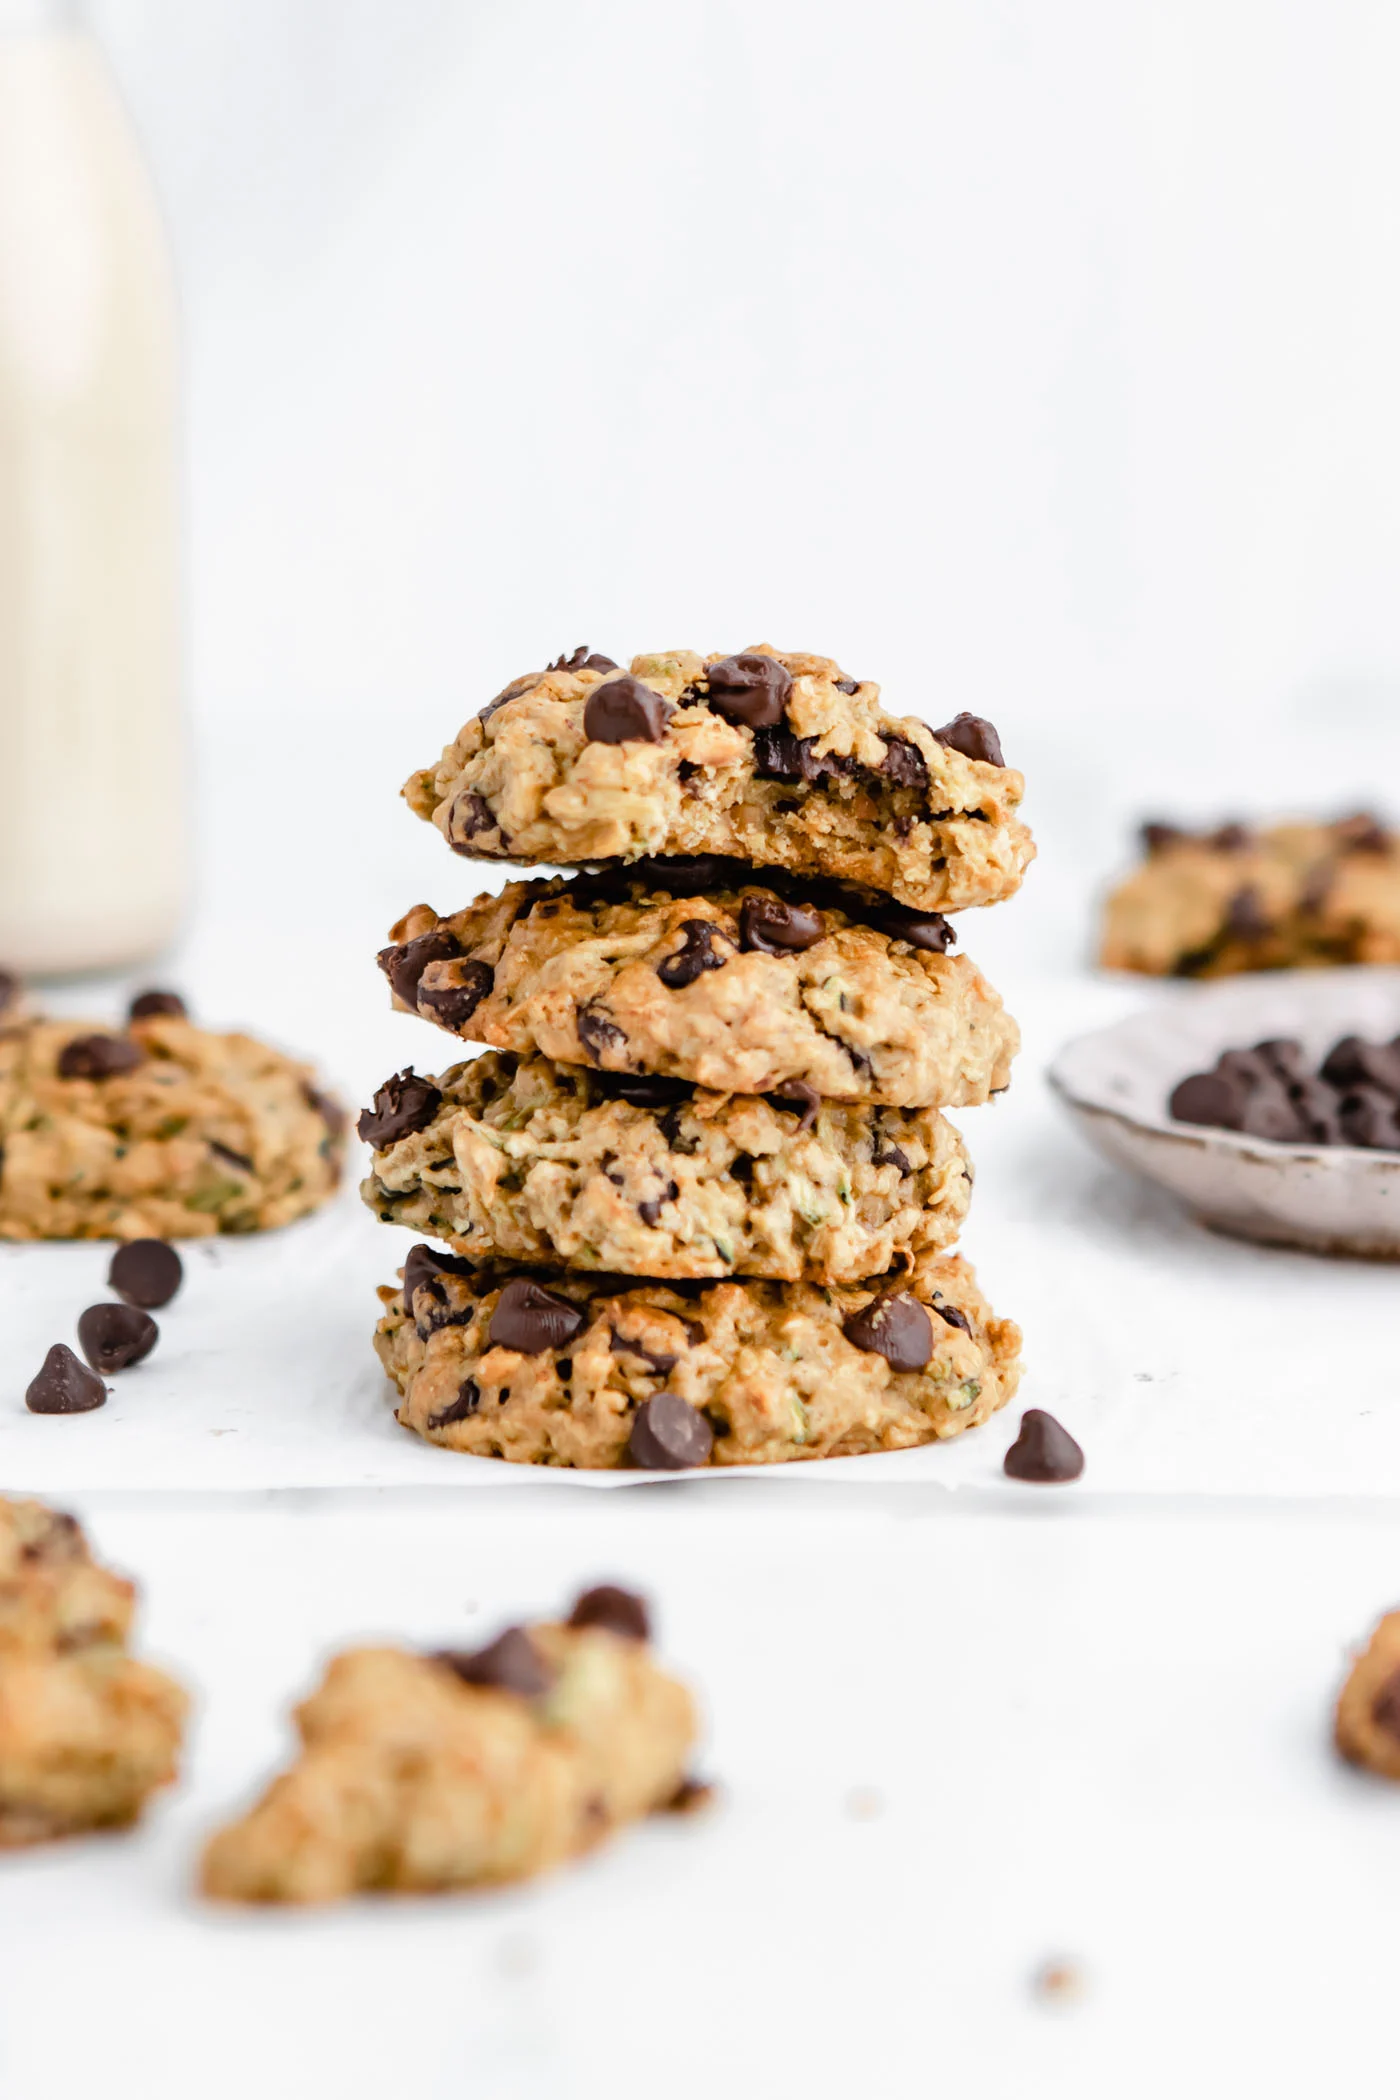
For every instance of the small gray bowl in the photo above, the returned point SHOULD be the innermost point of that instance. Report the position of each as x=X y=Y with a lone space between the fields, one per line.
x=1331 y=1199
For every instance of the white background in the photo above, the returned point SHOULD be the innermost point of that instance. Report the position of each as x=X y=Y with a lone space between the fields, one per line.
x=1039 y=359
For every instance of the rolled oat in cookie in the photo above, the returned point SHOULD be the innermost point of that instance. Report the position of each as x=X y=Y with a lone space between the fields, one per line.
x=772 y=1371
x=738 y=980
x=459 y=1770
x=564 y=1166
x=765 y=756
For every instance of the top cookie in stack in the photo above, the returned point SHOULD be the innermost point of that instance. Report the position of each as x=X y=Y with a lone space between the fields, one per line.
x=720 y=1054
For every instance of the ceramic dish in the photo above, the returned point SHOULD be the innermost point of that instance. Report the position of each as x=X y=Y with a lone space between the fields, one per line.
x=1333 y=1199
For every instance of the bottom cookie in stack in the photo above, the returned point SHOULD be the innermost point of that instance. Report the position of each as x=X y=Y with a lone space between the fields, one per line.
x=586 y=1370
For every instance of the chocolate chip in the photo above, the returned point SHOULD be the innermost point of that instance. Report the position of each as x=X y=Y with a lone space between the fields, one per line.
x=598 y=1035
x=896 y=1327
x=424 y=1269
x=861 y=1064
x=624 y=711
x=797 y=1093
x=749 y=689
x=681 y=874
x=452 y=1003
x=974 y=736
x=1230 y=838
x=112 y=1337
x=1270 y=1112
x=98 y=1057
x=886 y=1155
x=650 y=1211
x=1245 y=919
x=238 y=1160
x=926 y=930
x=904 y=764
x=471 y=815
x=1043 y=1451
x=512 y=1663
x=1319 y=1110
x=848 y=685
x=531 y=1319
x=64 y=1386
x=669 y=1435
x=1213 y=1099
x=1385 y=1707
x=1362 y=833
x=146 y=1273
x=1156 y=837
x=581 y=660
x=696 y=956
x=1353 y=1063
x=953 y=1316
x=691 y=1797
x=775 y=928
x=779 y=755
x=509 y=692
x=620 y=1611
x=405 y=1103
x=655 y=1360
x=642 y=1089
x=467 y=1402
x=1368 y=1117
x=145 y=1004
x=404 y=965
x=1284 y=1056
x=9 y=989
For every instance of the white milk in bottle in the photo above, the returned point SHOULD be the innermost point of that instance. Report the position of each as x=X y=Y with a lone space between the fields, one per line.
x=93 y=853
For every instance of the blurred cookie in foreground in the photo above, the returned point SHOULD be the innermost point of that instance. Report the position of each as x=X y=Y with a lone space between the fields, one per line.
x=157 y=1129
x=1368 y=1711
x=525 y=1160
x=449 y=1771
x=1285 y=896
x=568 y=1369
x=86 y=1731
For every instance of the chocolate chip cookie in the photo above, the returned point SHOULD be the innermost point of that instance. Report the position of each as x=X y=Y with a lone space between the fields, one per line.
x=772 y=758
x=157 y=1129
x=567 y=1369
x=1210 y=904
x=457 y=1770
x=522 y=1160
x=739 y=980
x=86 y=1731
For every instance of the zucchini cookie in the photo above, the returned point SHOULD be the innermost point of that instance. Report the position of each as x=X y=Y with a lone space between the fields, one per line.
x=743 y=981
x=457 y=1770
x=770 y=758
x=1214 y=903
x=568 y=1369
x=161 y=1130
x=522 y=1160
x=86 y=1731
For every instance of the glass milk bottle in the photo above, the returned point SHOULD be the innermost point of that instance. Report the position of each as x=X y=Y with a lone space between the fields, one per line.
x=93 y=850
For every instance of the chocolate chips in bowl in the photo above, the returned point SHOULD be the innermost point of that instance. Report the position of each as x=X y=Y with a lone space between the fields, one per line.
x=1270 y=1091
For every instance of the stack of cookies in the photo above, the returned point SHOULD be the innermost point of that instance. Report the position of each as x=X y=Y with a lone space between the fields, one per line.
x=698 y=1197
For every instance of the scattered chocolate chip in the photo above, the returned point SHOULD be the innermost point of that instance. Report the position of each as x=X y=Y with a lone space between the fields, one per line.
x=404 y=965
x=452 y=1000
x=1362 y=833
x=531 y=1319
x=620 y=1611
x=974 y=736
x=64 y=1386
x=775 y=928
x=650 y=1211
x=582 y=660
x=896 y=1327
x=471 y=815
x=1245 y=919
x=239 y=1161
x=598 y=1035
x=9 y=989
x=904 y=764
x=927 y=930
x=1368 y=1117
x=1385 y=1707
x=848 y=685
x=146 y=1273
x=691 y=1797
x=642 y=1089
x=424 y=1269
x=403 y=1104
x=697 y=955
x=467 y=1402
x=113 y=1337
x=954 y=1317
x=512 y=1663
x=624 y=711
x=1155 y=837
x=1212 y=1099
x=1043 y=1451
x=98 y=1057
x=146 y=1004
x=800 y=1094
x=749 y=689
x=1353 y=1063
x=1230 y=838
x=669 y=1435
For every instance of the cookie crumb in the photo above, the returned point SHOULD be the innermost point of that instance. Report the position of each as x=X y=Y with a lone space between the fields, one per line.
x=1058 y=1982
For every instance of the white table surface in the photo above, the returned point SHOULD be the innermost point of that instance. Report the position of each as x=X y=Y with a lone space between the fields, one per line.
x=1091 y=1723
